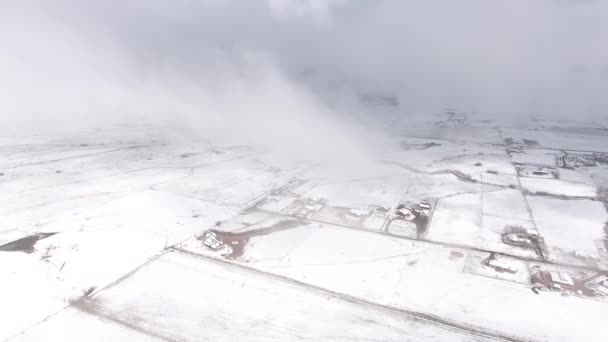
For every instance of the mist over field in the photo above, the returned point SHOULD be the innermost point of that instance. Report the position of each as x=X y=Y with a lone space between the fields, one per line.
x=297 y=67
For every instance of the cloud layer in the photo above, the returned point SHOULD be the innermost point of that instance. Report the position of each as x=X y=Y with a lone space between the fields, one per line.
x=298 y=63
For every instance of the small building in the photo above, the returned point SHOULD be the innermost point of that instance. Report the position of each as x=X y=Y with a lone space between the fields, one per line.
x=519 y=239
x=211 y=241
x=501 y=266
x=422 y=209
x=515 y=239
x=515 y=149
x=561 y=278
x=424 y=205
x=405 y=213
x=602 y=287
x=521 y=236
x=599 y=285
x=533 y=232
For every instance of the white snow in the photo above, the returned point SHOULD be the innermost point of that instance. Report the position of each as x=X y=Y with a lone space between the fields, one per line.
x=558 y=187
x=181 y=297
x=569 y=225
x=423 y=277
x=536 y=156
x=117 y=204
x=73 y=325
x=561 y=140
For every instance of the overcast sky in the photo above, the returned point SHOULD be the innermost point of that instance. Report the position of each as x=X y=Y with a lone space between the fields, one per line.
x=221 y=62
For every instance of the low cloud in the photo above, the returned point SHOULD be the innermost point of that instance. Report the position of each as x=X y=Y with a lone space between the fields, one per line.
x=268 y=71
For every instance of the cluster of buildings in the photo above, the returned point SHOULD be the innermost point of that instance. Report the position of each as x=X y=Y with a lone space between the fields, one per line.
x=600 y=285
x=591 y=286
x=583 y=159
x=515 y=149
x=211 y=241
x=521 y=142
x=522 y=237
x=536 y=171
x=410 y=213
x=519 y=145
x=553 y=280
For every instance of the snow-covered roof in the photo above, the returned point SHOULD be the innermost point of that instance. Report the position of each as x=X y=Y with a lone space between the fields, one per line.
x=561 y=278
x=424 y=205
x=532 y=231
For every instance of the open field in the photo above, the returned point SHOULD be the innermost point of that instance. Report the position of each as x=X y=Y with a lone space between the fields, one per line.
x=397 y=272
x=467 y=233
x=170 y=298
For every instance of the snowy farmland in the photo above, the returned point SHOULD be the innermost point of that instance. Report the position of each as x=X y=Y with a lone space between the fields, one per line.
x=170 y=298
x=469 y=234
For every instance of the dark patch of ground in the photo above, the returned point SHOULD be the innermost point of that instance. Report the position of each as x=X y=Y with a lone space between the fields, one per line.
x=462 y=176
x=25 y=244
x=530 y=142
x=422 y=224
x=238 y=240
x=131 y=321
x=408 y=147
x=562 y=197
x=579 y=286
x=456 y=254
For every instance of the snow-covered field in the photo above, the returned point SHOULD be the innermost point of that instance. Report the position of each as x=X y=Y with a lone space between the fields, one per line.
x=536 y=156
x=558 y=187
x=570 y=228
x=114 y=204
x=180 y=297
x=563 y=139
x=479 y=220
x=429 y=278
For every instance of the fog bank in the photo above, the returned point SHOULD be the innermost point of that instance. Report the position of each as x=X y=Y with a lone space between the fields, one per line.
x=268 y=71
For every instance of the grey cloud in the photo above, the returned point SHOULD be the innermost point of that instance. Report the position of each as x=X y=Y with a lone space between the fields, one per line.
x=186 y=59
